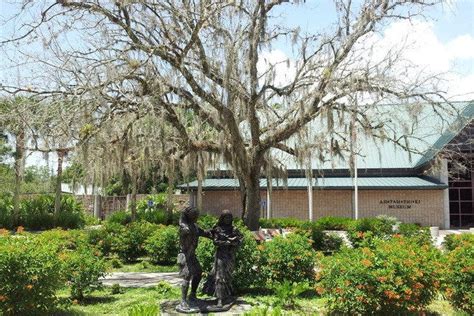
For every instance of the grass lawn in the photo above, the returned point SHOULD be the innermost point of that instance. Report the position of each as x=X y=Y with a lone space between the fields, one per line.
x=104 y=303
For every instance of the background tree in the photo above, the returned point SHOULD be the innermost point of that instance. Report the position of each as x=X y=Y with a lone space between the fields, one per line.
x=196 y=70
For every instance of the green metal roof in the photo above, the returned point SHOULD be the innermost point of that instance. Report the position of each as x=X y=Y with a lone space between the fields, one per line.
x=368 y=183
x=464 y=118
x=428 y=130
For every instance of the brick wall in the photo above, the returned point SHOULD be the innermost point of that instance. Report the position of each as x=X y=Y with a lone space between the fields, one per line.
x=412 y=206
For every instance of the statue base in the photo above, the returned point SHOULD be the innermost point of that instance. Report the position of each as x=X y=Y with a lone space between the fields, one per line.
x=203 y=306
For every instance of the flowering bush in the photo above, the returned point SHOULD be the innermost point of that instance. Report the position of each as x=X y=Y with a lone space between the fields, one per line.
x=30 y=275
x=460 y=273
x=420 y=235
x=395 y=276
x=83 y=268
x=454 y=241
x=289 y=258
x=163 y=245
x=362 y=231
x=103 y=238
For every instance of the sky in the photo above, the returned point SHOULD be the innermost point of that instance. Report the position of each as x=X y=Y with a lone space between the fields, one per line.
x=443 y=42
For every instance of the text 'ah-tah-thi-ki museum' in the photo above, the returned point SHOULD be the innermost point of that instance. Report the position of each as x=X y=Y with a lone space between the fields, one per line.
x=431 y=185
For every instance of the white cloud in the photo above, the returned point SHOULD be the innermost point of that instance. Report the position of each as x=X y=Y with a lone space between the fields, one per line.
x=461 y=47
x=419 y=46
x=277 y=67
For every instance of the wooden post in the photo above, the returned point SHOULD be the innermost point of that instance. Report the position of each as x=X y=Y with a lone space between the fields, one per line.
x=97 y=206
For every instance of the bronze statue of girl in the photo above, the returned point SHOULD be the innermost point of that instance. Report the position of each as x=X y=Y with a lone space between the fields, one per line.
x=227 y=239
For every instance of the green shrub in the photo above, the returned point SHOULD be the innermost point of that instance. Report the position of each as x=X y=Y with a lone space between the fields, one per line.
x=460 y=273
x=129 y=243
x=362 y=231
x=90 y=220
x=395 y=276
x=103 y=238
x=158 y=202
x=153 y=209
x=37 y=213
x=71 y=220
x=286 y=293
x=6 y=211
x=286 y=222
x=289 y=258
x=62 y=240
x=115 y=289
x=30 y=275
x=329 y=244
x=120 y=217
x=453 y=241
x=163 y=245
x=83 y=268
x=322 y=241
x=207 y=221
x=153 y=216
x=246 y=273
x=334 y=223
x=421 y=235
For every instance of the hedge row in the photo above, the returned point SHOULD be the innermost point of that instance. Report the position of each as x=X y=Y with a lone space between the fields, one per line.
x=37 y=213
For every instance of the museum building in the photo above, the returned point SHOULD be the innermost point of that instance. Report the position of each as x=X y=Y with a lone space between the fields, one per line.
x=426 y=188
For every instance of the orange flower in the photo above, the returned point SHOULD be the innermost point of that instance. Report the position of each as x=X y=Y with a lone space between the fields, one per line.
x=4 y=232
x=20 y=229
x=449 y=292
x=318 y=276
x=418 y=285
x=367 y=263
x=408 y=291
x=382 y=279
x=320 y=290
x=29 y=286
x=360 y=298
x=3 y=298
x=366 y=251
x=338 y=290
x=360 y=234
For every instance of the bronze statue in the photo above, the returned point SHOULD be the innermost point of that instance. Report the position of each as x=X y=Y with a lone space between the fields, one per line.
x=227 y=239
x=189 y=267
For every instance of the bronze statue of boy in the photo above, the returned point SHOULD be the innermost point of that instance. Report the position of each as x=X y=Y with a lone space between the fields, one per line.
x=189 y=267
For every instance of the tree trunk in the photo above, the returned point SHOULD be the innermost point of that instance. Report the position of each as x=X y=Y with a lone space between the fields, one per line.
x=253 y=200
x=57 y=190
x=133 y=200
x=19 y=154
x=243 y=198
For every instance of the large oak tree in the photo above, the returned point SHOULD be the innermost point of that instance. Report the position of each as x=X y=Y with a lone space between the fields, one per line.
x=200 y=68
